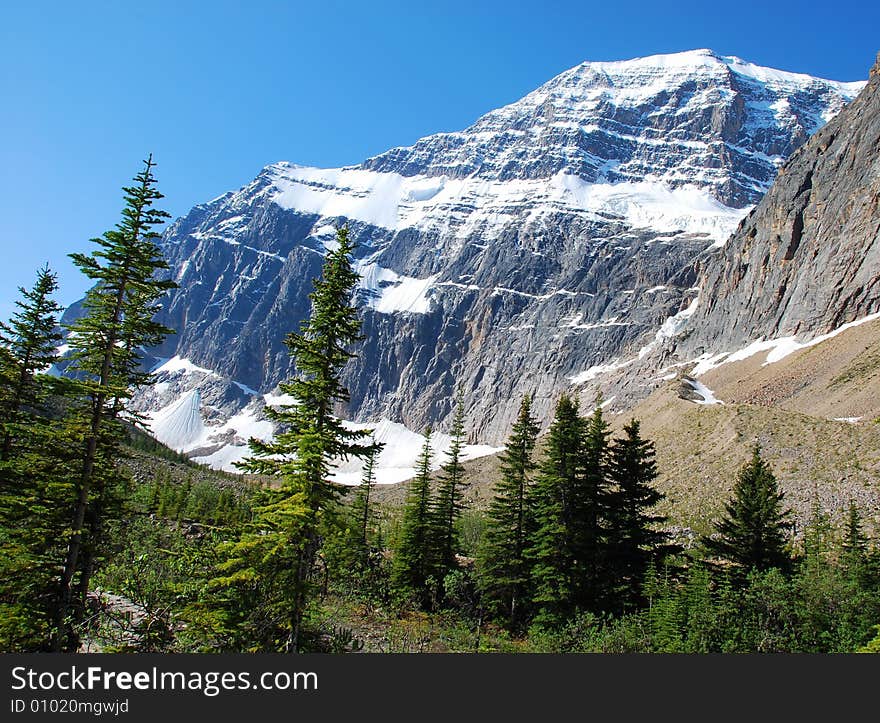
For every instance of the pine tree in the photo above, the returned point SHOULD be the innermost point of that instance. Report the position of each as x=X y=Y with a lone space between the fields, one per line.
x=313 y=439
x=448 y=505
x=34 y=486
x=412 y=552
x=553 y=546
x=27 y=348
x=363 y=513
x=504 y=567
x=634 y=539
x=751 y=535
x=107 y=344
x=591 y=504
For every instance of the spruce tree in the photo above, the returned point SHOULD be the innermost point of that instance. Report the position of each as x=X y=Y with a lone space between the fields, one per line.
x=855 y=541
x=363 y=513
x=553 y=546
x=817 y=536
x=247 y=598
x=312 y=439
x=634 y=539
x=34 y=484
x=591 y=508
x=352 y=552
x=448 y=505
x=28 y=346
x=751 y=535
x=412 y=551
x=503 y=565
x=855 y=556
x=107 y=344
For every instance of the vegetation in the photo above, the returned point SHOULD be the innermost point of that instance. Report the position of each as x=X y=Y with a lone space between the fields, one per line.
x=570 y=555
x=275 y=556
x=505 y=571
x=107 y=345
x=35 y=490
x=447 y=506
x=413 y=553
x=752 y=534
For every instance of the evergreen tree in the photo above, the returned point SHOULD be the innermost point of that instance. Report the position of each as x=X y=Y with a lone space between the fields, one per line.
x=363 y=513
x=634 y=538
x=312 y=438
x=448 y=505
x=412 y=552
x=34 y=485
x=751 y=535
x=107 y=343
x=817 y=536
x=855 y=541
x=250 y=600
x=856 y=559
x=553 y=546
x=504 y=567
x=27 y=347
x=591 y=509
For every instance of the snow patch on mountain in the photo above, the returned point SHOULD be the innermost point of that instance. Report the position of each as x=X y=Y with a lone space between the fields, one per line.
x=708 y=396
x=180 y=424
x=397 y=461
x=388 y=292
x=777 y=349
x=179 y=364
x=394 y=202
x=279 y=400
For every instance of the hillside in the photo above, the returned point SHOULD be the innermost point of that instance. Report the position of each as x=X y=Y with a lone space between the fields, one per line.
x=816 y=414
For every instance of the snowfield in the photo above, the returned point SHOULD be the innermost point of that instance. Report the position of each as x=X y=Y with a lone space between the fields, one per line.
x=395 y=202
x=776 y=349
x=180 y=425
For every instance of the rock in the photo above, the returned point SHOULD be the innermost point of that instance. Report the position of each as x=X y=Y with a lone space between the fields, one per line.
x=807 y=259
x=687 y=391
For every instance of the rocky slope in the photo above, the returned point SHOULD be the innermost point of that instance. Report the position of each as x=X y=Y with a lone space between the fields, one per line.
x=815 y=412
x=802 y=266
x=806 y=260
x=526 y=253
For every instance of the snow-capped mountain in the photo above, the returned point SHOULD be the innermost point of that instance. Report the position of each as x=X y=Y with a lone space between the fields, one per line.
x=520 y=255
x=689 y=118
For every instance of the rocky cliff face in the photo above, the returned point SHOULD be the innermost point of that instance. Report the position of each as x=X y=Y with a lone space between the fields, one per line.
x=527 y=253
x=806 y=260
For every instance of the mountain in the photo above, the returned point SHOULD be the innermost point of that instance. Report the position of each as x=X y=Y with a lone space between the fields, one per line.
x=802 y=267
x=806 y=260
x=780 y=347
x=528 y=253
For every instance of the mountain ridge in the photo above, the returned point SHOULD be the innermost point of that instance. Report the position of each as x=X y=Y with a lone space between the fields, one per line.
x=515 y=279
x=806 y=259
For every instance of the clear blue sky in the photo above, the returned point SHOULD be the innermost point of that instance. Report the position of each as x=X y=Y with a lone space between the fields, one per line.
x=216 y=90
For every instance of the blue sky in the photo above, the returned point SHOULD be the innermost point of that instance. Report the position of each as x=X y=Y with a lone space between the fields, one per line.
x=216 y=90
